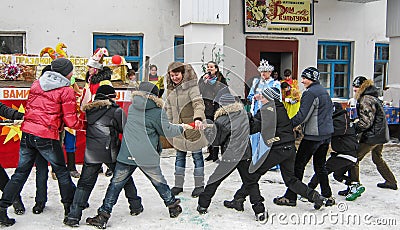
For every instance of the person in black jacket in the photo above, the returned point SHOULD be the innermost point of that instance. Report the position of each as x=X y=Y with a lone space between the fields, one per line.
x=211 y=85
x=282 y=150
x=12 y=114
x=344 y=143
x=105 y=121
x=232 y=134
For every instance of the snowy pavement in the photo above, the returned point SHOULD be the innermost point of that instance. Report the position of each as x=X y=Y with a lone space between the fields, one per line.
x=375 y=209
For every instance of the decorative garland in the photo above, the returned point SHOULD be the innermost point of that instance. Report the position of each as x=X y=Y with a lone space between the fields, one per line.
x=11 y=72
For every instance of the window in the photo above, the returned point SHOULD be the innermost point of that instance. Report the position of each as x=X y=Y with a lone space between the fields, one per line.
x=131 y=47
x=178 y=49
x=334 y=66
x=12 y=43
x=381 y=59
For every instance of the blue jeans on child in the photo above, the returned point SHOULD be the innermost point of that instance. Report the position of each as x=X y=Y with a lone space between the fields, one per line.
x=121 y=175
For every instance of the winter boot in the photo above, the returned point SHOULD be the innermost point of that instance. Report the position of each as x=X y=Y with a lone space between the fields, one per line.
x=199 y=186
x=262 y=217
x=387 y=185
x=284 y=201
x=201 y=210
x=316 y=198
x=67 y=207
x=175 y=209
x=356 y=189
x=99 y=221
x=235 y=203
x=136 y=207
x=344 y=192
x=178 y=188
x=72 y=222
x=108 y=172
x=38 y=208
x=19 y=208
x=4 y=220
x=330 y=201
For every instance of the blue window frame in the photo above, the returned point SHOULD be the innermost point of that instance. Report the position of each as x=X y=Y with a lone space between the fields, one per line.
x=178 y=49
x=130 y=47
x=381 y=60
x=333 y=61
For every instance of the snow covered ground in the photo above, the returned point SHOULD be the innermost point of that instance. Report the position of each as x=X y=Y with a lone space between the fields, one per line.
x=375 y=209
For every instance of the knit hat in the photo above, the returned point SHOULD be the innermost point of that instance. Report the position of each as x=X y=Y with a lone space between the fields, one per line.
x=310 y=73
x=226 y=99
x=148 y=87
x=96 y=61
x=358 y=81
x=265 y=66
x=106 y=90
x=271 y=93
x=62 y=66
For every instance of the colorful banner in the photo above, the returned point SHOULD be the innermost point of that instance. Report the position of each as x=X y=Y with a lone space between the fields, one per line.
x=278 y=16
x=31 y=66
x=22 y=94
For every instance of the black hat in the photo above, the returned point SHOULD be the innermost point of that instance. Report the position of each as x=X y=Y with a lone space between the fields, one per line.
x=310 y=73
x=358 y=81
x=148 y=87
x=62 y=66
x=226 y=99
x=106 y=90
x=272 y=93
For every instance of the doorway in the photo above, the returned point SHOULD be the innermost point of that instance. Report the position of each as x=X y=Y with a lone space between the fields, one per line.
x=282 y=54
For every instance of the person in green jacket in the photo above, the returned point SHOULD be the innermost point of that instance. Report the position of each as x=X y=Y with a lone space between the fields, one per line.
x=141 y=147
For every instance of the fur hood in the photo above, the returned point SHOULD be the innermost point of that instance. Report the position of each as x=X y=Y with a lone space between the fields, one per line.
x=189 y=77
x=97 y=104
x=158 y=101
x=231 y=108
x=367 y=88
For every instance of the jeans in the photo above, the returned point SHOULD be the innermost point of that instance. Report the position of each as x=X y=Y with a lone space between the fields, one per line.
x=85 y=187
x=42 y=174
x=180 y=165
x=121 y=175
x=317 y=150
x=30 y=147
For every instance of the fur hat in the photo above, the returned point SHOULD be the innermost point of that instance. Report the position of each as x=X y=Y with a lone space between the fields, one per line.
x=62 y=66
x=106 y=90
x=310 y=73
x=272 y=93
x=96 y=61
x=148 y=87
x=265 y=66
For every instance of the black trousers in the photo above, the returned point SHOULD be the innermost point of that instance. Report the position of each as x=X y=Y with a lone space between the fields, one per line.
x=250 y=184
x=317 y=150
x=338 y=166
x=4 y=180
x=283 y=155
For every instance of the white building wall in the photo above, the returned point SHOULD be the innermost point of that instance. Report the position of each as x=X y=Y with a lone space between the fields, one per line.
x=47 y=22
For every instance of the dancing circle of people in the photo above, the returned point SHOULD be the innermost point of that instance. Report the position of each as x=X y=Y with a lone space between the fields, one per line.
x=195 y=113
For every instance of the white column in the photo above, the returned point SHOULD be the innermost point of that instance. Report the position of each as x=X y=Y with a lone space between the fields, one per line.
x=203 y=22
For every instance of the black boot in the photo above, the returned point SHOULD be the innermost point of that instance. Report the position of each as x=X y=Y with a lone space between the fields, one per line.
x=72 y=222
x=175 y=190
x=175 y=209
x=19 y=208
x=344 y=192
x=136 y=207
x=235 y=203
x=38 y=208
x=201 y=210
x=4 y=220
x=99 y=221
x=317 y=199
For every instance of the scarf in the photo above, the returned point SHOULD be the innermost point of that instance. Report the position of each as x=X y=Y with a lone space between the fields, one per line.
x=210 y=79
